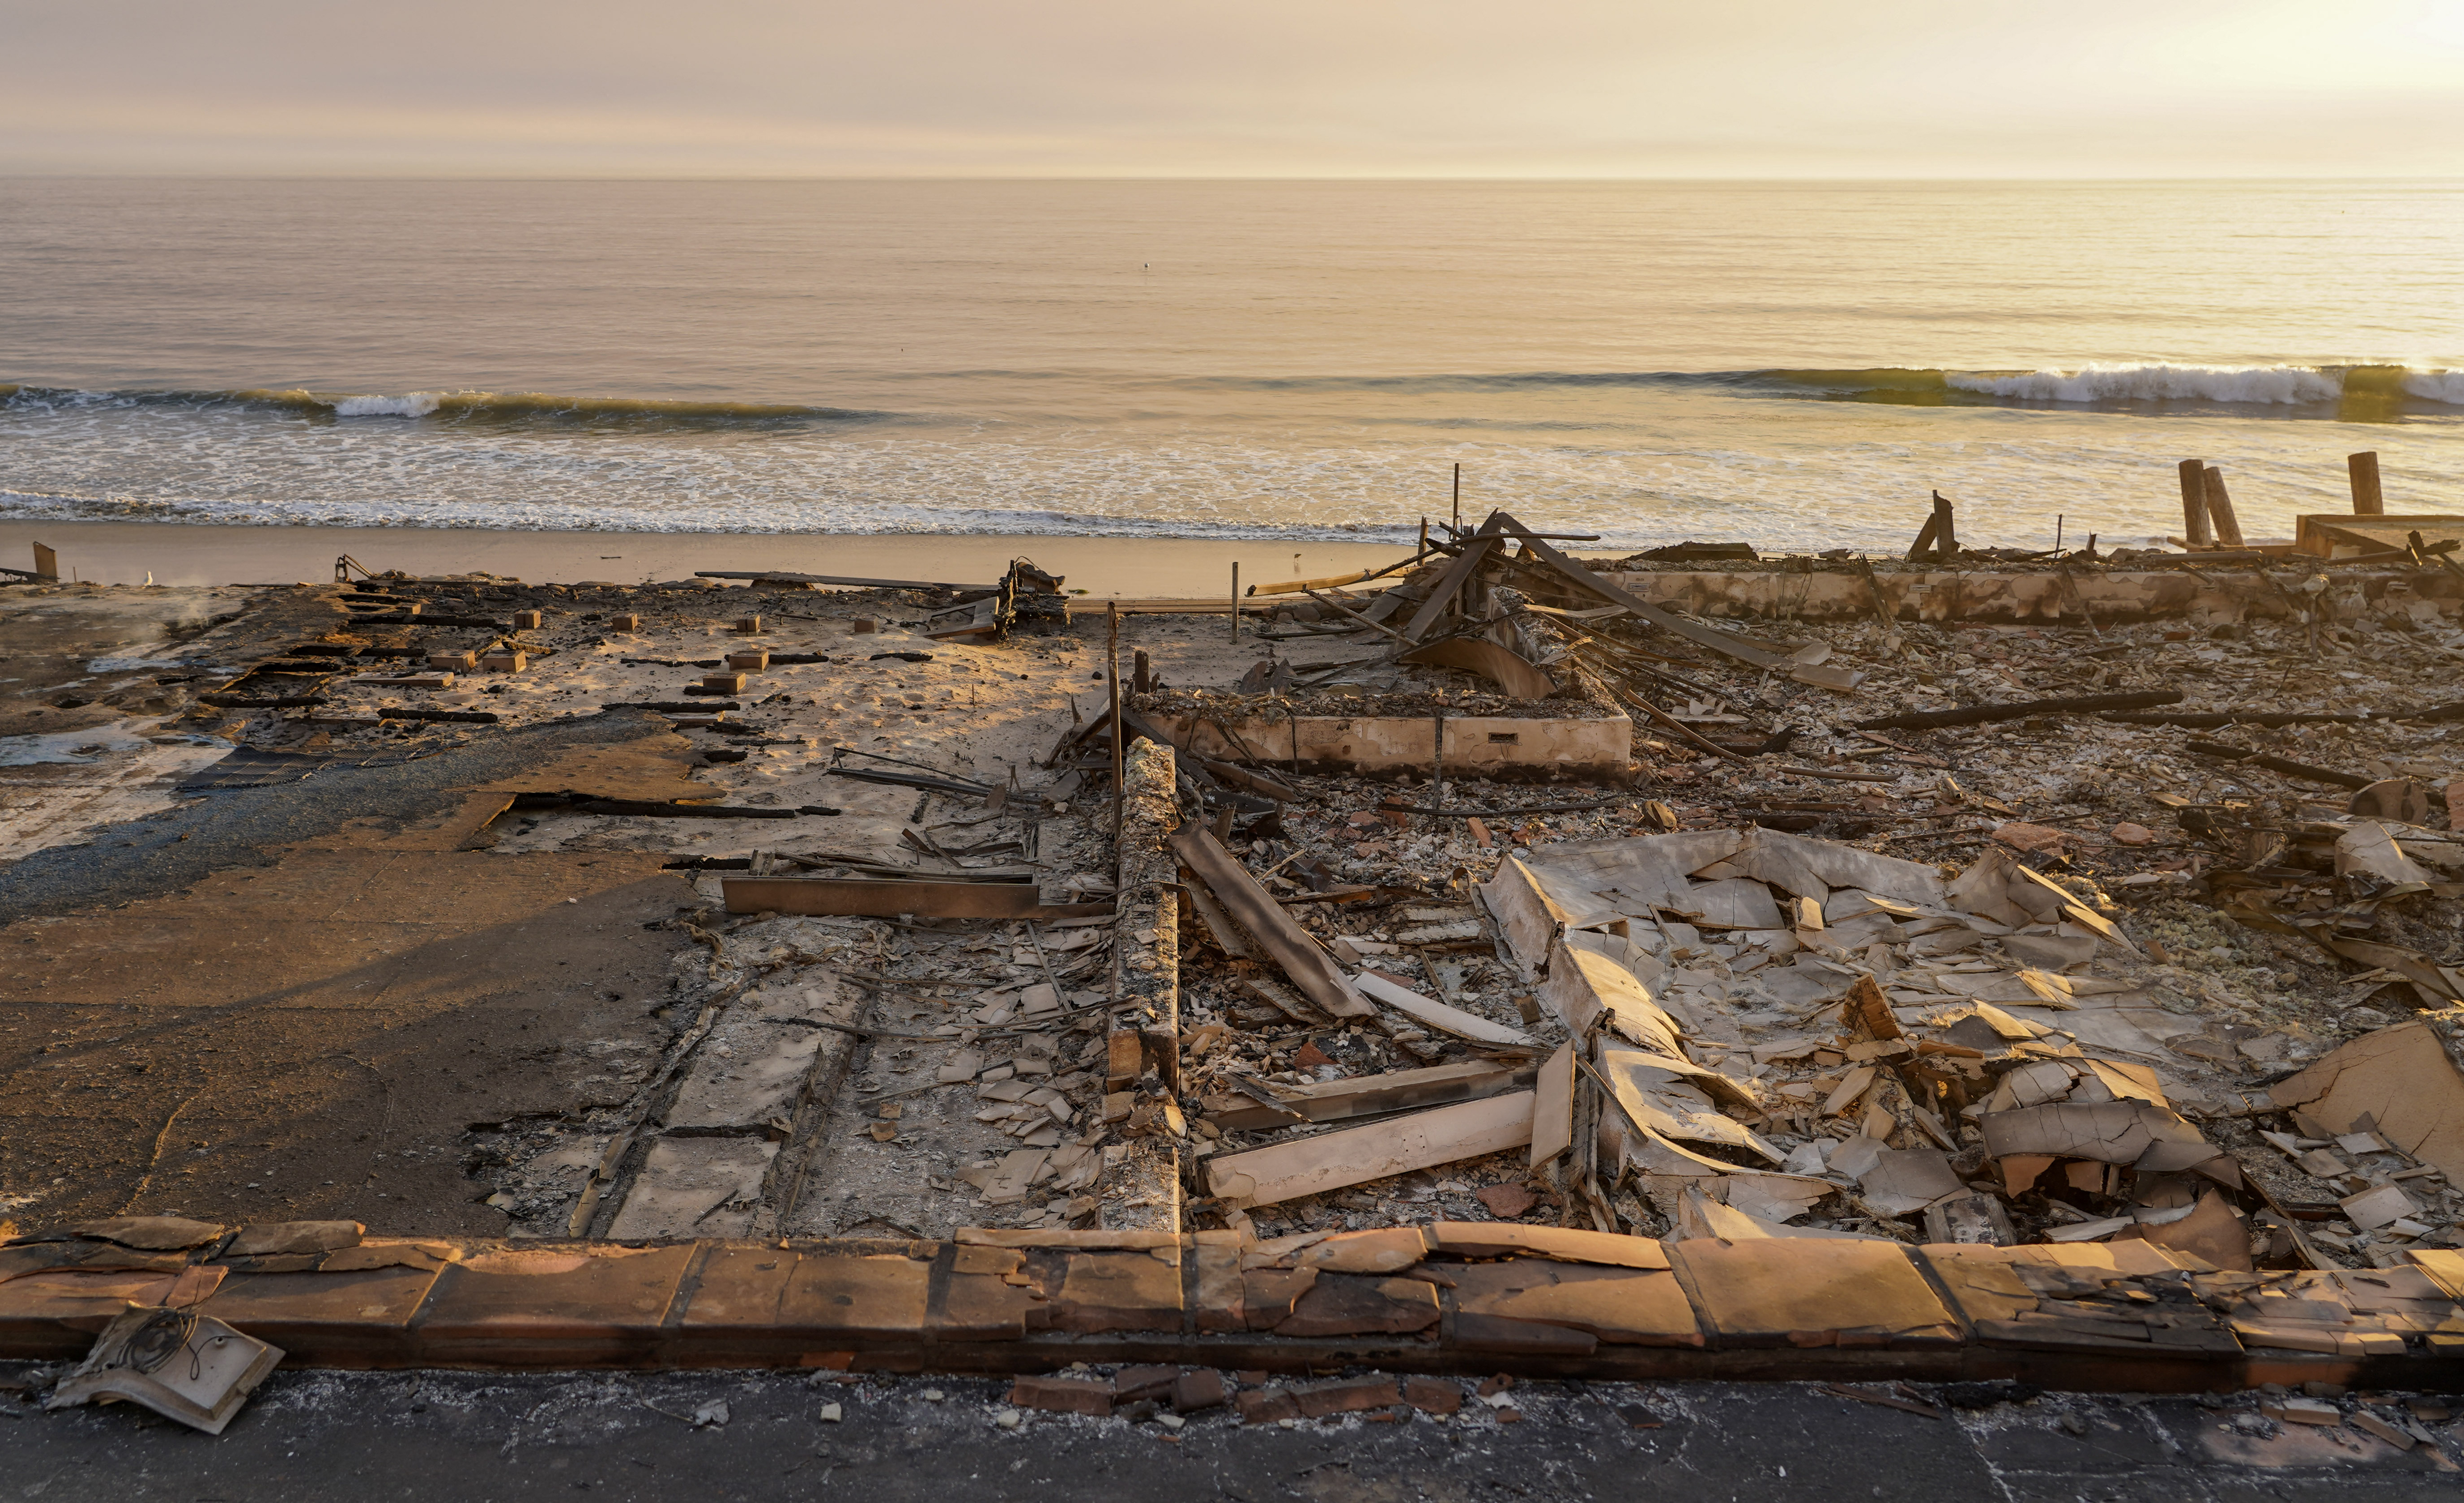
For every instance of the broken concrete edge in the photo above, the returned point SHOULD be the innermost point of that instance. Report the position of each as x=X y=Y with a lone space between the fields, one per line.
x=1445 y=1298
x=1500 y=747
x=833 y=1060
x=736 y=1132
x=1143 y=1180
x=2019 y=598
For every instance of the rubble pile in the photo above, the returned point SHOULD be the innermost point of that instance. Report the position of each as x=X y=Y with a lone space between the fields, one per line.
x=1726 y=1019
x=2138 y=936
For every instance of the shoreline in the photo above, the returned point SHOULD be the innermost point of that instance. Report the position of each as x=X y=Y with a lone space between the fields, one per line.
x=191 y=553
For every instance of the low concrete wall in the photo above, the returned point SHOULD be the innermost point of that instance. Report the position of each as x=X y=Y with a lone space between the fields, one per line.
x=2227 y=594
x=1142 y=1176
x=1449 y=1297
x=1475 y=745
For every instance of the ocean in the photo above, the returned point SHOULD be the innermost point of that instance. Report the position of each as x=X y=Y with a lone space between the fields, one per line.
x=1792 y=364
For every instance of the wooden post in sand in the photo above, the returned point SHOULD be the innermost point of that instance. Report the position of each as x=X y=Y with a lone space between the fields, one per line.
x=2220 y=508
x=2367 y=501
x=1120 y=743
x=2194 y=503
x=1236 y=602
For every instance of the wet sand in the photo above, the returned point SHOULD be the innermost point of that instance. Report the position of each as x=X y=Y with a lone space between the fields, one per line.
x=125 y=553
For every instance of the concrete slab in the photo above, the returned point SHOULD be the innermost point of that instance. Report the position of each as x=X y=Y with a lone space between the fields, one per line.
x=745 y=1074
x=695 y=1187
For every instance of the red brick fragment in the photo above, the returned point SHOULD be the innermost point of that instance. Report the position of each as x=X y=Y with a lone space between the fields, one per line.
x=1506 y=1201
x=1131 y=1383
x=1063 y=1395
x=1432 y=1395
x=1266 y=1406
x=1202 y=1389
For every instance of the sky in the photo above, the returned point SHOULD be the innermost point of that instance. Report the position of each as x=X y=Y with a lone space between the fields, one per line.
x=1265 y=88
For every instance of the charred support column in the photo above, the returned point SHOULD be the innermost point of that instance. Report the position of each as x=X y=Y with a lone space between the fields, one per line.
x=1946 y=529
x=1142 y=1175
x=2194 y=503
x=2220 y=508
x=2367 y=501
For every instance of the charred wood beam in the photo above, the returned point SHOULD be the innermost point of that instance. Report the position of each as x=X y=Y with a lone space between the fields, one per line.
x=2020 y=710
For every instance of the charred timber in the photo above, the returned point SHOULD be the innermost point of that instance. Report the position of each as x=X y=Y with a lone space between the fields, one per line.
x=1987 y=714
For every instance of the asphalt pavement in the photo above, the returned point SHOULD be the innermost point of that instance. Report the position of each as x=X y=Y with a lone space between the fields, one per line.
x=718 y=1437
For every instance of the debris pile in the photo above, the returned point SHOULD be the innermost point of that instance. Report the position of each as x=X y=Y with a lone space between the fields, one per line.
x=1729 y=1028
x=1493 y=887
x=1749 y=1033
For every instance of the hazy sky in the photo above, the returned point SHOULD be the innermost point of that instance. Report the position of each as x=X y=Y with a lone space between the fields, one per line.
x=1583 y=88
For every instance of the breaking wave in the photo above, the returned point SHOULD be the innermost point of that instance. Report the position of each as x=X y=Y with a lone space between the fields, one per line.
x=2356 y=391
x=2444 y=386
x=469 y=409
x=2128 y=385
x=2285 y=385
x=2275 y=387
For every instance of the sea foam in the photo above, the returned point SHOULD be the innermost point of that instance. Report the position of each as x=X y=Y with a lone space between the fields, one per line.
x=2285 y=384
x=2443 y=386
x=418 y=403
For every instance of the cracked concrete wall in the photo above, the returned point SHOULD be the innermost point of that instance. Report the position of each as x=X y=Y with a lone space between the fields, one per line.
x=1495 y=746
x=1146 y=930
x=2230 y=592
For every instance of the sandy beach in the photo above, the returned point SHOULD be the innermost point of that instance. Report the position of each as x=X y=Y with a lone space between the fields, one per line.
x=125 y=553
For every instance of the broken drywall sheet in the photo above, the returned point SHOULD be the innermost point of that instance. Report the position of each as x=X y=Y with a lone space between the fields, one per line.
x=1354 y=1155
x=2398 y=1082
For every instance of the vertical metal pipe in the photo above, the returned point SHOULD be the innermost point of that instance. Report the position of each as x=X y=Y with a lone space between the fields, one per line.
x=1236 y=600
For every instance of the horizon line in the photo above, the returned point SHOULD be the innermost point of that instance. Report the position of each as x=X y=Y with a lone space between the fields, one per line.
x=1691 y=179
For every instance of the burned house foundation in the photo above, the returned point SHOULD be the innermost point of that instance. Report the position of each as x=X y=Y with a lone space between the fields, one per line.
x=2040 y=970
